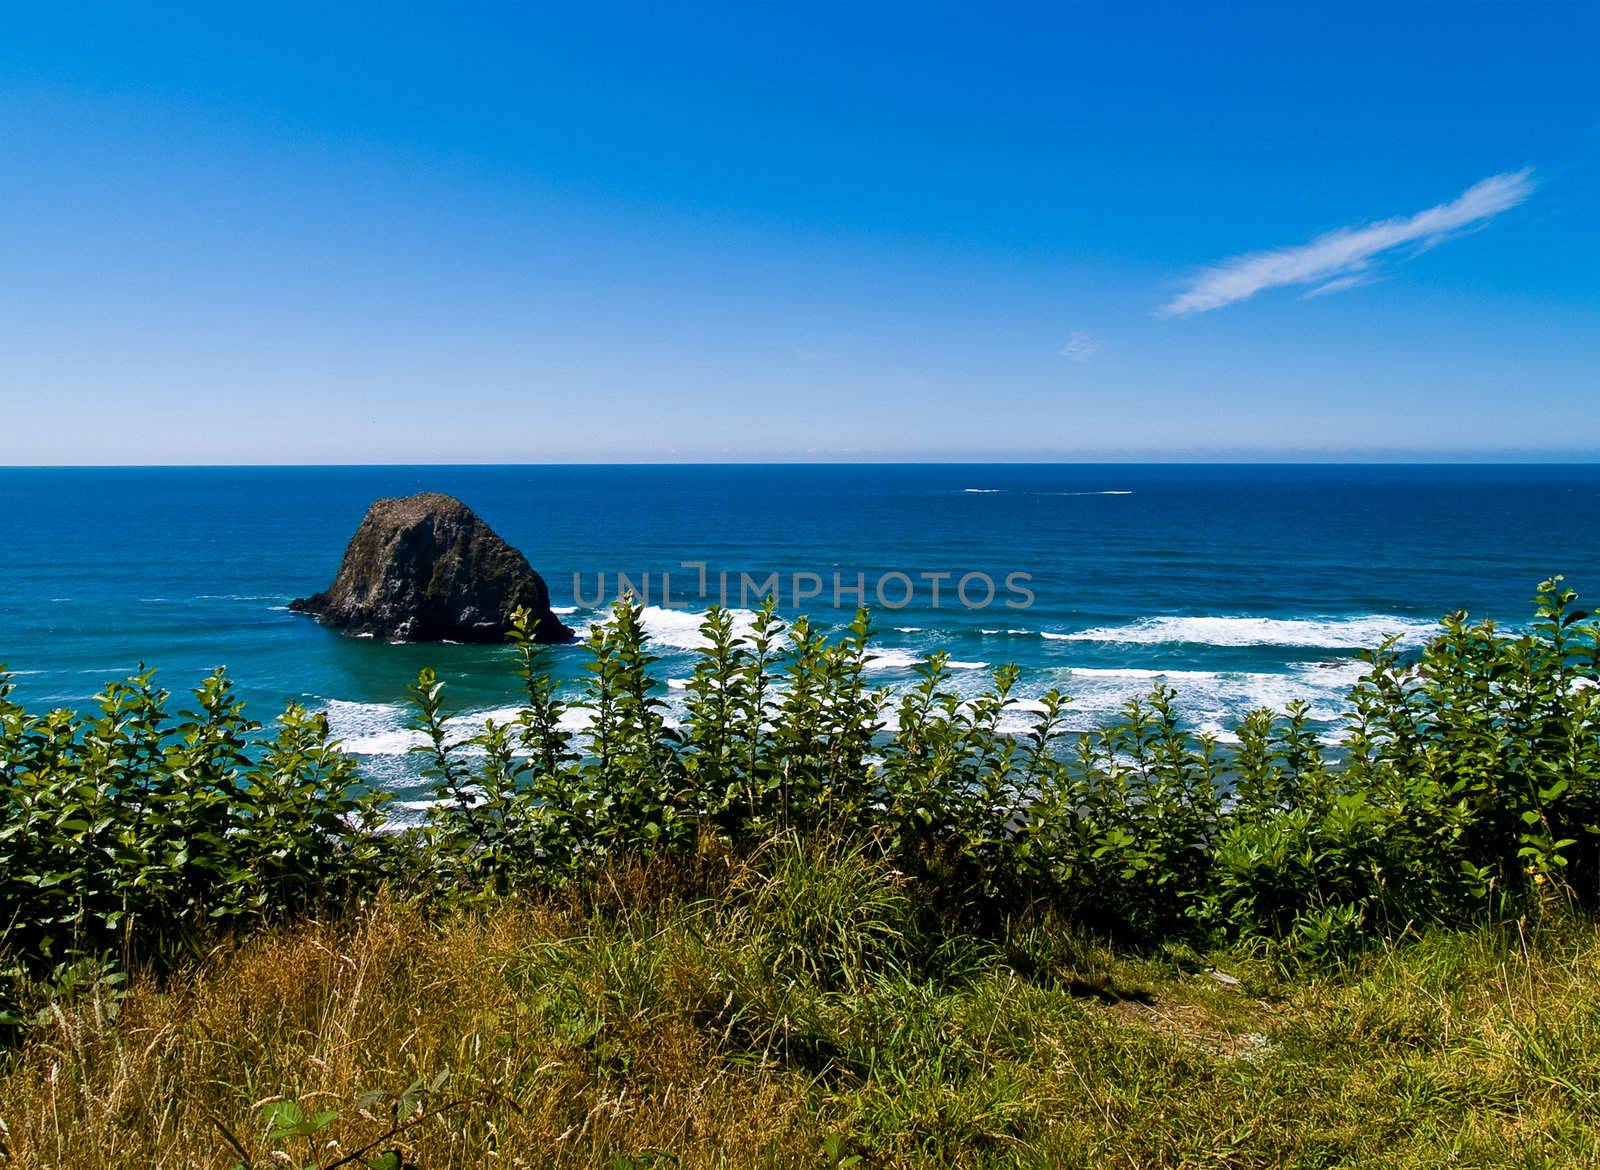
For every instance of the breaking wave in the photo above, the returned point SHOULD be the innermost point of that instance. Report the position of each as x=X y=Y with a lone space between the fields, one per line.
x=1341 y=633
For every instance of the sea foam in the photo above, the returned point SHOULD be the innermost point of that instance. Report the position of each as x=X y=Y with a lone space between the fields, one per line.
x=892 y=658
x=1327 y=633
x=1208 y=701
x=680 y=628
x=383 y=729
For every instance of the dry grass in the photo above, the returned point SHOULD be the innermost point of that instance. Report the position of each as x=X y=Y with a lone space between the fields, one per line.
x=650 y=1029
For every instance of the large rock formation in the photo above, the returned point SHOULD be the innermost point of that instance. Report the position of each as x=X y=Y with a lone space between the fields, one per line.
x=426 y=569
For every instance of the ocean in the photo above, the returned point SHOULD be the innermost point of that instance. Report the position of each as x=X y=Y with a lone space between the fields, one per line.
x=1239 y=585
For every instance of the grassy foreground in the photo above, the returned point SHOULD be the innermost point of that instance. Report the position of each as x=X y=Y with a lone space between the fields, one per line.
x=794 y=1009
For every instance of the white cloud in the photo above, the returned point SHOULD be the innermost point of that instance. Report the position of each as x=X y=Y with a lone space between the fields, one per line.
x=1344 y=258
x=1340 y=284
x=1080 y=347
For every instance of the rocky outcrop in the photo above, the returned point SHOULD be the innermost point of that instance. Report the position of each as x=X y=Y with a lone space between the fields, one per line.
x=425 y=569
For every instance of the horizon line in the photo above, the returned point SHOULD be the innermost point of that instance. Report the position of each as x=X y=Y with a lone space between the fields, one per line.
x=1395 y=457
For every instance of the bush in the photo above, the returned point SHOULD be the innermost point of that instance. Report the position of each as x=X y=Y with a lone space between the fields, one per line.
x=128 y=837
x=1465 y=787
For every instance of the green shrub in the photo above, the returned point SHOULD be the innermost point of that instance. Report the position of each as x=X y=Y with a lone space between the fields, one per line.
x=1466 y=786
x=128 y=836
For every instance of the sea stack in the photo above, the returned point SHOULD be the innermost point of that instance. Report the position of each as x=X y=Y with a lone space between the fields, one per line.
x=425 y=568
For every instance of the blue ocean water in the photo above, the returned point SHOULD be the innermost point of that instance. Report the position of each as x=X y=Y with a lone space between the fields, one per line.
x=1240 y=585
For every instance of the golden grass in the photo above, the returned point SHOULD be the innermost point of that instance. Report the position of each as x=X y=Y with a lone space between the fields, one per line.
x=650 y=1031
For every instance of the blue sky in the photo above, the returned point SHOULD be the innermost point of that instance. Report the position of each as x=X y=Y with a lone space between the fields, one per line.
x=525 y=233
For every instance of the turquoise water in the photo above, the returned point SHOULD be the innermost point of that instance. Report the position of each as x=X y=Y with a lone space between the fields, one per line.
x=1241 y=585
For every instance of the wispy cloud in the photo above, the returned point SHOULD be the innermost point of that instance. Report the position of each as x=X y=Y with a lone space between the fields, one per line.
x=1080 y=347
x=1344 y=258
x=1340 y=284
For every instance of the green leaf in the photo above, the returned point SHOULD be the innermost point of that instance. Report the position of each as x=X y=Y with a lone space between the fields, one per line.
x=283 y=1119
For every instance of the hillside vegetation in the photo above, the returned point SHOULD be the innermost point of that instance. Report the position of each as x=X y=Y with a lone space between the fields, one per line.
x=806 y=927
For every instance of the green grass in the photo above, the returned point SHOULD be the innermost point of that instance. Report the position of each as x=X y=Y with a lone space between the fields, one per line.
x=798 y=1008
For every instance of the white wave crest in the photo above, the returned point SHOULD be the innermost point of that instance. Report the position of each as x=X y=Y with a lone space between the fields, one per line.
x=370 y=729
x=1332 y=633
x=680 y=628
x=382 y=729
x=1207 y=701
x=891 y=658
x=1210 y=700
